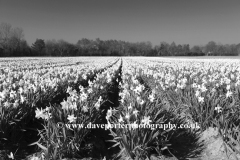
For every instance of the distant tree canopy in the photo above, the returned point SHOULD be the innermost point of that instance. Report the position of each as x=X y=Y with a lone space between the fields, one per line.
x=38 y=48
x=12 y=43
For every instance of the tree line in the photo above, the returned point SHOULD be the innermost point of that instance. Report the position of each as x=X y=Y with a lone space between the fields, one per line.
x=12 y=43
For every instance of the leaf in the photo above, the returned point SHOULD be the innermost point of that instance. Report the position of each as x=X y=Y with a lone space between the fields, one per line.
x=39 y=145
x=34 y=143
x=120 y=153
x=155 y=135
x=116 y=144
x=111 y=141
x=145 y=137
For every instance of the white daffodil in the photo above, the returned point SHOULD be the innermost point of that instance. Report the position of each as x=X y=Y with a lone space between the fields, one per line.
x=71 y=118
x=120 y=119
x=39 y=113
x=213 y=90
x=142 y=102
x=109 y=114
x=127 y=116
x=138 y=99
x=3 y=94
x=65 y=105
x=194 y=85
x=15 y=104
x=201 y=99
x=73 y=106
x=22 y=99
x=122 y=100
x=109 y=80
x=232 y=76
x=100 y=99
x=83 y=97
x=11 y=156
x=229 y=94
x=69 y=89
x=146 y=120
x=130 y=107
x=197 y=94
x=138 y=89
x=85 y=108
x=12 y=94
x=228 y=87
x=97 y=105
x=151 y=98
x=203 y=89
x=135 y=112
x=81 y=88
x=228 y=81
x=90 y=90
x=90 y=83
x=218 y=109
x=84 y=76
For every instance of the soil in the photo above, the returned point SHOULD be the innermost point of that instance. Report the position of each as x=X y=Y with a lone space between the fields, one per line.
x=214 y=148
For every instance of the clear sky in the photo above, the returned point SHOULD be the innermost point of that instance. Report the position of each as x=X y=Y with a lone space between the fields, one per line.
x=182 y=21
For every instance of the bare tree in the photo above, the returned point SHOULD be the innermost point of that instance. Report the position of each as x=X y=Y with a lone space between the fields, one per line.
x=10 y=39
x=5 y=34
x=16 y=38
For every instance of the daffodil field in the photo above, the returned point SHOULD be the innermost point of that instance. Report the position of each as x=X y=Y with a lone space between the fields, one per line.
x=39 y=96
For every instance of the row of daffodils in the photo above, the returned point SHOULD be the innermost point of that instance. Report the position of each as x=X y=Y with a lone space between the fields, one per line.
x=205 y=93
x=25 y=90
x=18 y=81
x=70 y=119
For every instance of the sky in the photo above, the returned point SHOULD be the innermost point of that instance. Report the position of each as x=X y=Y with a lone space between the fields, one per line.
x=191 y=22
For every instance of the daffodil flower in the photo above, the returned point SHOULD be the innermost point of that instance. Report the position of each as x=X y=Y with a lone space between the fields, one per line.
x=71 y=118
x=146 y=120
x=201 y=99
x=229 y=94
x=39 y=113
x=130 y=107
x=120 y=119
x=135 y=112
